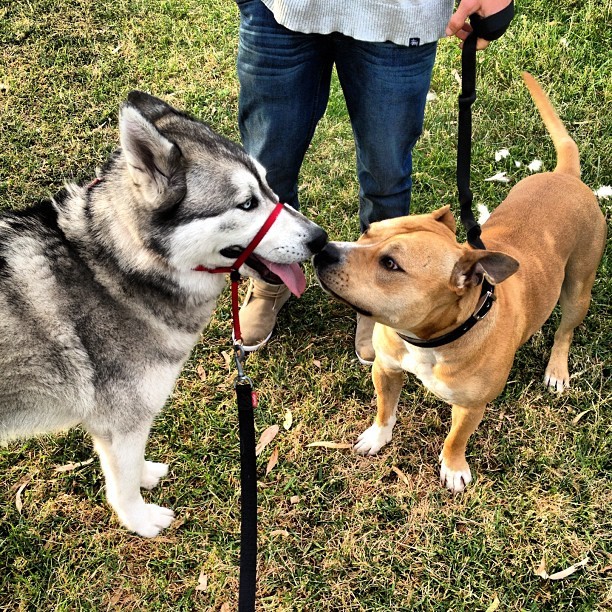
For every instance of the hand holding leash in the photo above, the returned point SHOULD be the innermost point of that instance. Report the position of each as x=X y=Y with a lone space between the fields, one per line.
x=489 y=19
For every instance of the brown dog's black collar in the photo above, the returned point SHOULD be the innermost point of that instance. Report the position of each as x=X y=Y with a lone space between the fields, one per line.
x=487 y=297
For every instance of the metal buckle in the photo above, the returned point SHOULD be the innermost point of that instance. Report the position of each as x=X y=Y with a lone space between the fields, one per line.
x=239 y=358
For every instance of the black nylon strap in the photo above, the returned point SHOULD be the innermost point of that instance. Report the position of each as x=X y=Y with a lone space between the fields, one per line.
x=493 y=26
x=464 y=140
x=248 y=479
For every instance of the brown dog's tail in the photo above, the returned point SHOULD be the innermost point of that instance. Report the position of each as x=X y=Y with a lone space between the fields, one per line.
x=568 y=158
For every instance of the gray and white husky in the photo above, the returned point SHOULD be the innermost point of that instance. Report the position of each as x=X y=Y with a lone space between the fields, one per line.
x=99 y=301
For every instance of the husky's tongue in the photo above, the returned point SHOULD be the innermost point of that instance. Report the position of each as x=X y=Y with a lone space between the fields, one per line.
x=290 y=274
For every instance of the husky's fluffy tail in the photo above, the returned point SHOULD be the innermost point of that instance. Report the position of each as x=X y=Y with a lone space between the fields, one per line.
x=568 y=158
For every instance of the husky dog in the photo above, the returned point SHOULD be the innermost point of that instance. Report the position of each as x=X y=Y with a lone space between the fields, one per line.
x=100 y=303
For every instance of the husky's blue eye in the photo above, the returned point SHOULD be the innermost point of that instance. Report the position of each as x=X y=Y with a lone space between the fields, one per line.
x=250 y=204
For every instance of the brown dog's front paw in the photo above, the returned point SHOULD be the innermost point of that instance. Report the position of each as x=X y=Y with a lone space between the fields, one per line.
x=557 y=379
x=455 y=479
x=374 y=438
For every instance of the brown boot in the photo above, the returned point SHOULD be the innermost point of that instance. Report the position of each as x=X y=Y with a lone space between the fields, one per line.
x=363 y=340
x=259 y=311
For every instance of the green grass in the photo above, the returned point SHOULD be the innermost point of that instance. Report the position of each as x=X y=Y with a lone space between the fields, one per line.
x=359 y=537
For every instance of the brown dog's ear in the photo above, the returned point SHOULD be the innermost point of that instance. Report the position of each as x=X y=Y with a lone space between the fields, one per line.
x=444 y=215
x=473 y=266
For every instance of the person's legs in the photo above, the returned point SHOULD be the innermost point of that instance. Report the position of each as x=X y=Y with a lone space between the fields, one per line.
x=385 y=86
x=284 y=87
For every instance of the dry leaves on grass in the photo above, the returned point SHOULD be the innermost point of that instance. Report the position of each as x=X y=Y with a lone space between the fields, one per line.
x=494 y=605
x=69 y=467
x=324 y=444
x=288 y=420
x=543 y=573
x=18 y=500
x=202 y=581
x=401 y=475
x=266 y=437
x=272 y=461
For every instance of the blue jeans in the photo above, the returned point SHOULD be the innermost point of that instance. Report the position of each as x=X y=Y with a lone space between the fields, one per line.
x=284 y=88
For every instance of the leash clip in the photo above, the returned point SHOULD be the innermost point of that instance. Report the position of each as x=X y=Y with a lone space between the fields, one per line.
x=239 y=358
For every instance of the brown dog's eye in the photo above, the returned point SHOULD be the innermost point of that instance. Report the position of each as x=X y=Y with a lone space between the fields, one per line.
x=389 y=264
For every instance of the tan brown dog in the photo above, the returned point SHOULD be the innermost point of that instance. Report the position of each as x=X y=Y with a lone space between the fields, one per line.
x=413 y=278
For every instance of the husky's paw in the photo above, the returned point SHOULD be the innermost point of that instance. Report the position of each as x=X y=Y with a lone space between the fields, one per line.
x=152 y=473
x=148 y=520
x=374 y=438
x=557 y=379
x=455 y=480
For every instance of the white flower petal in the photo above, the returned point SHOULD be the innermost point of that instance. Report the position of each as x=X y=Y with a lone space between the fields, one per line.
x=605 y=191
x=518 y=164
x=501 y=154
x=535 y=165
x=500 y=177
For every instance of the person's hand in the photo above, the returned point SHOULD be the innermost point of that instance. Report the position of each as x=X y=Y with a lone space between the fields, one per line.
x=458 y=24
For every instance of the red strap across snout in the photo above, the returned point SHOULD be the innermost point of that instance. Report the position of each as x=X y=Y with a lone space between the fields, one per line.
x=250 y=247
x=233 y=269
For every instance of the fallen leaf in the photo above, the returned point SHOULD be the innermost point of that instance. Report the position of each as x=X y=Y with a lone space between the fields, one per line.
x=266 y=437
x=18 y=501
x=282 y=532
x=570 y=570
x=228 y=359
x=202 y=581
x=72 y=466
x=541 y=571
x=201 y=372
x=273 y=460
x=494 y=605
x=501 y=154
x=535 y=165
x=577 y=418
x=431 y=96
x=457 y=76
x=605 y=191
x=288 y=420
x=316 y=362
x=401 y=475
x=499 y=177
x=331 y=444
x=295 y=499
x=224 y=608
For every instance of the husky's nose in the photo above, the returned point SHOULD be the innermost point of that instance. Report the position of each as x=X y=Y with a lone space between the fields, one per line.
x=328 y=256
x=318 y=242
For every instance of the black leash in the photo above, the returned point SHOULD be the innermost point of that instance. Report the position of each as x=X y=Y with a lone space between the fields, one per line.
x=246 y=428
x=248 y=480
x=464 y=140
x=489 y=28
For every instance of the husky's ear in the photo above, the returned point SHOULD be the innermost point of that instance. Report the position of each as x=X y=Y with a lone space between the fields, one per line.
x=154 y=163
x=149 y=106
x=445 y=216
x=473 y=266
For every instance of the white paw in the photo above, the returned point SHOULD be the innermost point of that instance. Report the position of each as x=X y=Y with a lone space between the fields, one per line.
x=556 y=382
x=151 y=474
x=374 y=438
x=454 y=480
x=148 y=519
